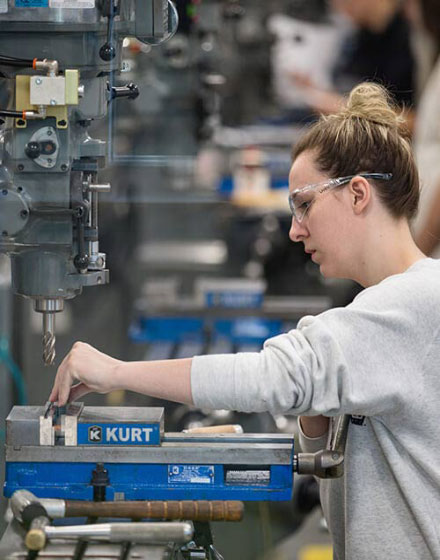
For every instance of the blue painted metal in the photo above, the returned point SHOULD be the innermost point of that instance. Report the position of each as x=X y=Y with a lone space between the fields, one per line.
x=241 y=330
x=172 y=329
x=145 y=482
x=230 y=299
x=117 y=434
x=31 y=3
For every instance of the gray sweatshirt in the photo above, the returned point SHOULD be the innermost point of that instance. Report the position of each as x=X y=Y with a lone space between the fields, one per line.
x=379 y=357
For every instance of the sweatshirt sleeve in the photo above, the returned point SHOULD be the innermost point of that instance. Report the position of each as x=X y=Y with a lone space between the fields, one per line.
x=354 y=360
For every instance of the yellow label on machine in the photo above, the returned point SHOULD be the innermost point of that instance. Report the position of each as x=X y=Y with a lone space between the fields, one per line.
x=316 y=552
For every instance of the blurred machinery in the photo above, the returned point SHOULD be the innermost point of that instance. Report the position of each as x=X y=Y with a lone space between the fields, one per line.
x=58 y=59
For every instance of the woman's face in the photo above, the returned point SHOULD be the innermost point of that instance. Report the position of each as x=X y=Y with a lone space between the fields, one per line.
x=326 y=227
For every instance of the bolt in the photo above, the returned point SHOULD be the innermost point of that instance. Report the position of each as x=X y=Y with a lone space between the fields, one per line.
x=20 y=167
x=64 y=167
x=100 y=262
x=335 y=456
x=24 y=214
x=49 y=160
x=38 y=81
x=53 y=102
x=49 y=132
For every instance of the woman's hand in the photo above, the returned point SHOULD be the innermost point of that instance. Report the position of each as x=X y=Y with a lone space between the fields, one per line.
x=320 y=100
x=84 y=370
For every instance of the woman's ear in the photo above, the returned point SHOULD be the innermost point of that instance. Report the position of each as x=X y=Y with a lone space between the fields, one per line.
x=360 y=194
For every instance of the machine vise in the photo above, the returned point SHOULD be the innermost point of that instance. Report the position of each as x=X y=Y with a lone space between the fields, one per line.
x=124 y=454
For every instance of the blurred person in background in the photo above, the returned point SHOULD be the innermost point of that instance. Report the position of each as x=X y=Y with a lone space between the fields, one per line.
x=425 y=17
x=379 y=49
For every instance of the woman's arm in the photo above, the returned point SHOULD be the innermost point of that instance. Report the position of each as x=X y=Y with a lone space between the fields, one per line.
x=314 y=426
x=85 y=369
x=429 y=236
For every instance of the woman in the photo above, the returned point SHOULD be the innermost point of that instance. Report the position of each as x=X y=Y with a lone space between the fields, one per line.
x=379 y=49
x=354 y=188
x=426 y=226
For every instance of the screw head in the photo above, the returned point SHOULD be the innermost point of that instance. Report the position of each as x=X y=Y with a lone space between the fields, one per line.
x=5 y=192
x=64 y=167
x=20 y=167
x=53 y=102
x=24 y=214
x=38 y=81
x=49 y=133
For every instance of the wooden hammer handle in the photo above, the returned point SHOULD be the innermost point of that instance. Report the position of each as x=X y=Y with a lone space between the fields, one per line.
x=201 y=510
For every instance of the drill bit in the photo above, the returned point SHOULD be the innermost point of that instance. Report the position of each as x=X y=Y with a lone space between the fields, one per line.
x=49 y=338
x=48 y=307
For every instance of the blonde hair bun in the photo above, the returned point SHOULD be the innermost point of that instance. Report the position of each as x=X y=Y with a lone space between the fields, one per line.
x=373 y=103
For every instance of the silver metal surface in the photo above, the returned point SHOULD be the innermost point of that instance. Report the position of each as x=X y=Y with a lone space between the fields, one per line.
x=191 y=253
x=123 y=415
x=151 y=532
x=48 y=305
x=188 y=453
x=248 y=477
x=47 y=433
x=69 y=427
x=56 y=509
x=23 y=425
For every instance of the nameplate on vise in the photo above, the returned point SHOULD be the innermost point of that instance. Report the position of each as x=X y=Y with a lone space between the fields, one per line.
x=117 y=434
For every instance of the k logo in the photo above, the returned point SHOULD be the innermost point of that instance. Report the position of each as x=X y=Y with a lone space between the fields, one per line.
x=95 y=434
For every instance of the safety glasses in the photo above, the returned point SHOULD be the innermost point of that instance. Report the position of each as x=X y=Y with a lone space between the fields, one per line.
x=300 y=200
